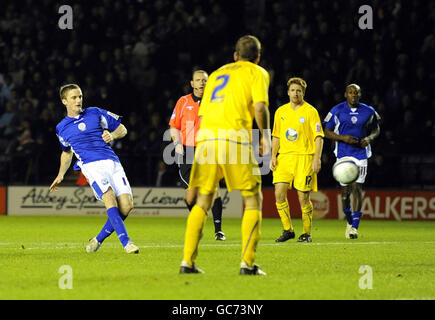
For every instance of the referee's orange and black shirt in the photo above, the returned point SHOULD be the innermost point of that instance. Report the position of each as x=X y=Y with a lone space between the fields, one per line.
x=185 y=118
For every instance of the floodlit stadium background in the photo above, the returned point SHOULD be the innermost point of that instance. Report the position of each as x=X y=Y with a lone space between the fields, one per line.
x=135 y=59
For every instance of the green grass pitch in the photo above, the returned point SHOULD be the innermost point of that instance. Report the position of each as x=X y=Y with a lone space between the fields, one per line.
x=32 y=249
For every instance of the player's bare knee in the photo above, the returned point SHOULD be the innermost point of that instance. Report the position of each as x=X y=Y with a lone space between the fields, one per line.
x=253 y=198
x=126 y=208
x=204 y=207
x=304 y=198
x=280 y=194
x=191 y=196
x=252 y=202
x=190 y=201
x=109 y=199
x=125 y=203
x=204 y=201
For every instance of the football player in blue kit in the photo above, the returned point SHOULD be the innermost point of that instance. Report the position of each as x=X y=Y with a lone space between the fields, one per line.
x=86 y=133
x=353 y=126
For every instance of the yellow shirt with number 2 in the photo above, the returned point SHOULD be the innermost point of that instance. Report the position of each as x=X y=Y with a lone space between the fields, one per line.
x=229 y=98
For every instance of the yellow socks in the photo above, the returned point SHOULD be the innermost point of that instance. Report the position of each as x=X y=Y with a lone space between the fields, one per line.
x=307 y=216
x=251 y=225
x=195 y=223
x=284 y=213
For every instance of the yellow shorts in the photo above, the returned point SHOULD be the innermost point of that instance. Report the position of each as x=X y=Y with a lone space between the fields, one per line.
x=296 y=169
x=217 y=159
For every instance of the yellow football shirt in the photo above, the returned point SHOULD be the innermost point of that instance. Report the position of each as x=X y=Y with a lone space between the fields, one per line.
x=227 y=107
x=297 y=129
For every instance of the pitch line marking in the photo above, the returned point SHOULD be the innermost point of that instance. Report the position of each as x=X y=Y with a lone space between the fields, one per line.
x=77 y=245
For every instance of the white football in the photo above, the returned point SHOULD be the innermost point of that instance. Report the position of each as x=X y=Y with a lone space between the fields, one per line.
x=345 y=170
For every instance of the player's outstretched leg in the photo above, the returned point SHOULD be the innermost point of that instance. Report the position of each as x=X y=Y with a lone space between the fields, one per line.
x=115 y=218
x=119 y=226
x=125 y=206
x=96 y=242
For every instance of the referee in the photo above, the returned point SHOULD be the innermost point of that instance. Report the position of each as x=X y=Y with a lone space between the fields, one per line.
x=184 y=125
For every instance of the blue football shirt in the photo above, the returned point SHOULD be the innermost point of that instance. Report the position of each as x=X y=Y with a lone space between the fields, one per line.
x=357 y=122
x=82 y=134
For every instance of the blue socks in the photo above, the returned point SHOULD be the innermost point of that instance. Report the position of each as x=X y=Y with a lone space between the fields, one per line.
x=356 y=217
x=107 y=229
x=352 y=219
x=115 y=222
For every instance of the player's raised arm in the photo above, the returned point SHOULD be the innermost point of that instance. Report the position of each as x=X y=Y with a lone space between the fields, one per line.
x=118 y=133
x=65 y=162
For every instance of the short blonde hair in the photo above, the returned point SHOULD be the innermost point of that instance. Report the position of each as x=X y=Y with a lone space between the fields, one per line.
x=248 y=48
x=64 y=90
x=298 y=81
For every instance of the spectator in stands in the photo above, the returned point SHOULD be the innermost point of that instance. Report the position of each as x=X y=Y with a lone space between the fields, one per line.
x=7 y=122
x=163 y=176
x=147 y=44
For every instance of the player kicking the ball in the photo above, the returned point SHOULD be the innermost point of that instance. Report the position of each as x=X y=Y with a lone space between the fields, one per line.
x=353 y=125
x=86 y=133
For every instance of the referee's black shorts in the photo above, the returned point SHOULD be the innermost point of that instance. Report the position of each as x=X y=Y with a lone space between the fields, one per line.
x=185 y=165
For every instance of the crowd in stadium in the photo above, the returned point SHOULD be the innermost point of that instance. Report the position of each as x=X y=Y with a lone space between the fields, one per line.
x=135 y=58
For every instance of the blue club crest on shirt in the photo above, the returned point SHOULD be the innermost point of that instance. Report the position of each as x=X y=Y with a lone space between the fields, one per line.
x=291 y=134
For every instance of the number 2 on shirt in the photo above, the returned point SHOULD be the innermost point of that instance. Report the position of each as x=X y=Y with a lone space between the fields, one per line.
x=214 y=96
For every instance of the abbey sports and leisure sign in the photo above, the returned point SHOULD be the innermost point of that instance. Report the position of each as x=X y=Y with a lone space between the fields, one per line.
x=157 y=202
x=169 y=202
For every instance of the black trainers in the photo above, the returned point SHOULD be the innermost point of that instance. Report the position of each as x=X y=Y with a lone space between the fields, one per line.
x=286 y=235
x=185 y=268
x=305 y=238
x=255 y=270
x=220 y=236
